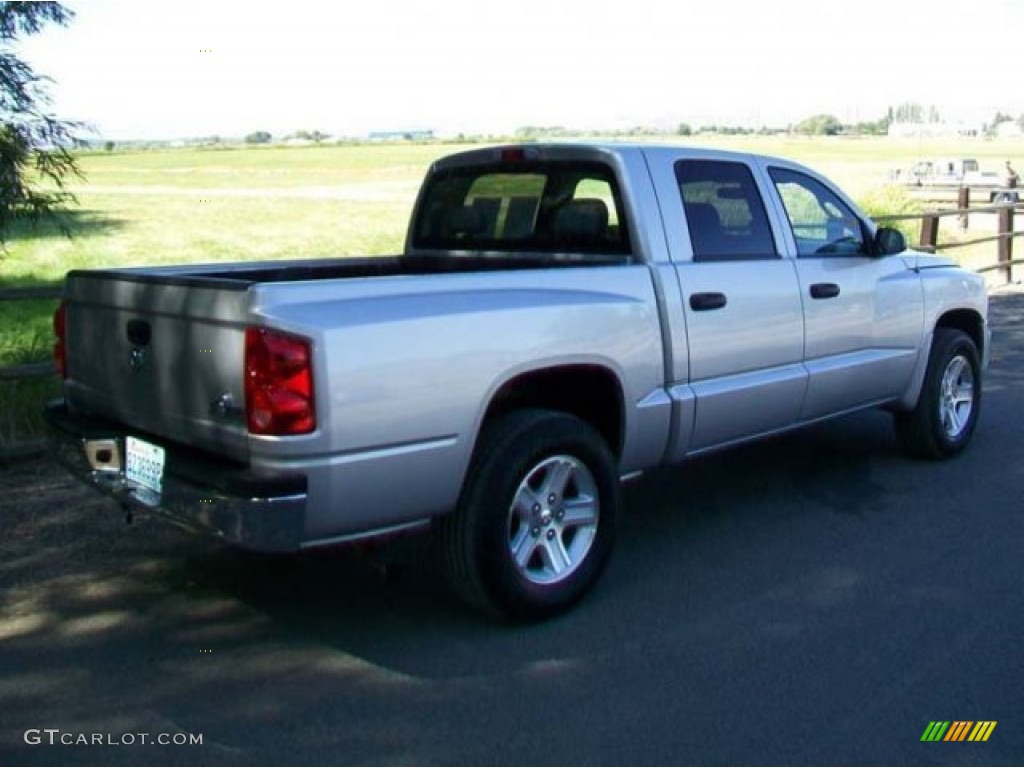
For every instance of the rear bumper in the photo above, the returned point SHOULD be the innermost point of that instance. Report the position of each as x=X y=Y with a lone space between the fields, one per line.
x=200 y=491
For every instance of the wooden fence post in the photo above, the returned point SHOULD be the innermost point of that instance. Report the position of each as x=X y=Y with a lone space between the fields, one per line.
x=1006 y=241
x=929 y=232
x=963 y=202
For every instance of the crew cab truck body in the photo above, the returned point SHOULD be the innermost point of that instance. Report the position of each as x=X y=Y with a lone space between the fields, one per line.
x=562 y=316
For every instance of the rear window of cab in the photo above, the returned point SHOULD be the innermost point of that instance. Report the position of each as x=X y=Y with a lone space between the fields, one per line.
x=553 y=207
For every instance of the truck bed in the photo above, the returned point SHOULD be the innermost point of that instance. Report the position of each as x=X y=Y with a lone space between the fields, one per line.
x=240 y=276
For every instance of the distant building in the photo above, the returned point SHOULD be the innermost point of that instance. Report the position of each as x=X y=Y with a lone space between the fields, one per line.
x=1009 y=130
x=401 y=135
x=933 y=130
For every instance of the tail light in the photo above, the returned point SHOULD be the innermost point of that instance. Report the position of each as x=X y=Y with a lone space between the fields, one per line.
x=278 y=383
x=60 y=348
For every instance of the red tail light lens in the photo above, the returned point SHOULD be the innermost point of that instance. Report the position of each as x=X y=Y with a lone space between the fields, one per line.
x=278 y=383
x=60 y=348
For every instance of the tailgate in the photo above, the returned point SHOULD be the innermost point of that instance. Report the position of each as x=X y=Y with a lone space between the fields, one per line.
x=160 y=354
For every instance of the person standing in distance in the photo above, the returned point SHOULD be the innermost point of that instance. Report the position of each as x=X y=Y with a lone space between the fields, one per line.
x=1009 y=192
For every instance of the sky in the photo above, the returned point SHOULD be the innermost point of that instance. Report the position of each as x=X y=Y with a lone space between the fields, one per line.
x=149 y=70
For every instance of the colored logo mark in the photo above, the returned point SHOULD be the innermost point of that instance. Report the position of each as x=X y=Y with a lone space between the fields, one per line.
x=959 y=730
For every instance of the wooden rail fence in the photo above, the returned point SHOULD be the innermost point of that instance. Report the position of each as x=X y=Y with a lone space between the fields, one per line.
x=11 y=374
x=29 y=370
x=1006 y=231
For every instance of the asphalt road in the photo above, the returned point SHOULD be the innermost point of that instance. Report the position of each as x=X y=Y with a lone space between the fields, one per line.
x=814 y=600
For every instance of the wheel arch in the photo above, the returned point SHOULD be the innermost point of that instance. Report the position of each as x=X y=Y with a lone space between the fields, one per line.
x=591 y=392
x=967 y=320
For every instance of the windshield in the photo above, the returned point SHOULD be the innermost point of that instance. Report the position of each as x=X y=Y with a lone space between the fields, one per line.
x=549 y=207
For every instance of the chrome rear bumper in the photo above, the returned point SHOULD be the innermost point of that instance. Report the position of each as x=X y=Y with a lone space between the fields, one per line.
x=200 y=491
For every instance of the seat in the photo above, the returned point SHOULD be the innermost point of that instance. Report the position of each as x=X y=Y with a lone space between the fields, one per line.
x=581 y=222
x=706 y=231
x=464 y=222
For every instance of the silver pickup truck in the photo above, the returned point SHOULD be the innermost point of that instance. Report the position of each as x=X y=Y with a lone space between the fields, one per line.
x=562 y=317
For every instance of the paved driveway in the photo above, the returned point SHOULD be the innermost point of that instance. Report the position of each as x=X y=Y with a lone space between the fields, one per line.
x=818 y=599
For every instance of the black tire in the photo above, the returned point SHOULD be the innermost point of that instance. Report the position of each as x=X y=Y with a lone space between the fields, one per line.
x=942 y=423
x=515 y=525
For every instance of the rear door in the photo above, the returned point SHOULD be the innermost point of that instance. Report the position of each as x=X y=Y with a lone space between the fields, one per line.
x=744 y=320
x=863 y=314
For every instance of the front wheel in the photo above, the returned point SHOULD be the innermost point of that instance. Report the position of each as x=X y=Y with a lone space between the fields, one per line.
x=942 y=423
x=536 y=520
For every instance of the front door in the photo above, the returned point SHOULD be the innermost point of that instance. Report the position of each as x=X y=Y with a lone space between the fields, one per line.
x=863 y=314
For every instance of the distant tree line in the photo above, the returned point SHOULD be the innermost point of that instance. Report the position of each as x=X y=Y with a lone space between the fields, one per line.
x=815 y=125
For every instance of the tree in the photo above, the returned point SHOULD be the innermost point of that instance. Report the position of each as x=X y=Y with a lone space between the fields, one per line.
x=819 y=125
x=34 y=144
x=1001 y=118
x=258 y=137
x=908 y=112
x=911 y=112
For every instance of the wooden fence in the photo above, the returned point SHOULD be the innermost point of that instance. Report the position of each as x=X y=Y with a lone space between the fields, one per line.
x=11 y=374
x=30 y=370
x=927 y=241
x=1004 y=236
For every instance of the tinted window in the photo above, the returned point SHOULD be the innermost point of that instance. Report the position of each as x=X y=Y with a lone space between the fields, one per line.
x=724 y=211
x=556 y=207
x=822 y=223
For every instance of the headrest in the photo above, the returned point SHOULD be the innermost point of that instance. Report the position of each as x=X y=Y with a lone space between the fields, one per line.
x=465 y=220
x=703 y=217
x=585 y=219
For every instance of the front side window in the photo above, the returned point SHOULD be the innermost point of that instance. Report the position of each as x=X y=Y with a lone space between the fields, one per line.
x=822 y=223
x=554 y=207
x=724 y=211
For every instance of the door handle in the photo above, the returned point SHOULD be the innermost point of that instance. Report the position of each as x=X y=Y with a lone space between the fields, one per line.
x=824 y=291
x=702 y=302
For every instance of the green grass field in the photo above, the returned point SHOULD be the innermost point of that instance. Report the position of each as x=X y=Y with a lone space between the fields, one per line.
x=198 y=205
x=194 y=205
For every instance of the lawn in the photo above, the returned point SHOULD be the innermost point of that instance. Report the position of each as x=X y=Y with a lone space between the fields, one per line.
x=193 y=205
x=196 y=205
x=175 y=206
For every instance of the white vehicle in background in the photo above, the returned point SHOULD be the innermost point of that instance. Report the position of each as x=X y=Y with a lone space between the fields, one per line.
x=955 y=172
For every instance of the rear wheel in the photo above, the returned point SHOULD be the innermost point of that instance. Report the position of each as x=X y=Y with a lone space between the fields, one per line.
x=536 y=520
x=942 y=423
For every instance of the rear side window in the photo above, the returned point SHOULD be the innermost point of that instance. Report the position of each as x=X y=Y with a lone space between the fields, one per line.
x=555 y=207
x=724 y=211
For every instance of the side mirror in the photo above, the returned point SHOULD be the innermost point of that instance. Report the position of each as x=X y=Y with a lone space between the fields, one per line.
x=889 y=241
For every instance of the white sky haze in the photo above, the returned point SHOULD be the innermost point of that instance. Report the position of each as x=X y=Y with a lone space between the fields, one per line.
x=176 y=69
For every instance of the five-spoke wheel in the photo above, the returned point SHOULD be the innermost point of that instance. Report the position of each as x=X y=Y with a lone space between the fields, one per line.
x=553 y=519
x=957 y=402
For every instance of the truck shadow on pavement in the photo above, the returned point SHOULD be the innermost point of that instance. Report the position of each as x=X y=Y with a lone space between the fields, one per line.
x=80 y=575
